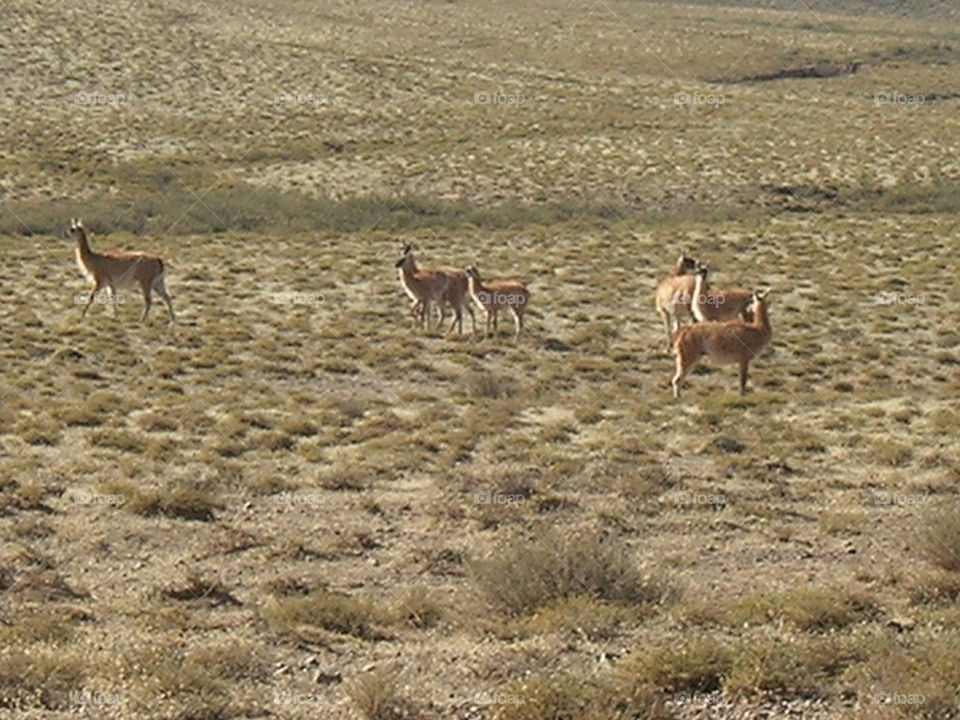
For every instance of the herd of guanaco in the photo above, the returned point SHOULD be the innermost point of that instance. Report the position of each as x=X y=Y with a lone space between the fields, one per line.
x=447 y=286
x=731 y=326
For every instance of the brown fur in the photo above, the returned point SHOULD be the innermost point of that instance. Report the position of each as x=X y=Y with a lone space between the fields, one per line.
x=493 y=297
x=718 y=305
x=425 y=287
x=673 y=295
x=736 y=341
x=115 y=269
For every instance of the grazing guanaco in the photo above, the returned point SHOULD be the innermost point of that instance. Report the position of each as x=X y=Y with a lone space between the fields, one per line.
x=724 y=343
x=425 y=287
x=674 y=293
x=116 y=269
x=492 y=297
x=711 y=305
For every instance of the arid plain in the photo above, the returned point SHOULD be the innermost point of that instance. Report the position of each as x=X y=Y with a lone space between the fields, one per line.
x=292 y=504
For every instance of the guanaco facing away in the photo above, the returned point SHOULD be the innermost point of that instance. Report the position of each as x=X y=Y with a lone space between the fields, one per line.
x=116 y=269
x=674 y=294
x=494 y=296
x=434 y=287
x=718 y=305
x=724 y=343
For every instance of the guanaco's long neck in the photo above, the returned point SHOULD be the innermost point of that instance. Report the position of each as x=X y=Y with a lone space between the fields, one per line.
x=83 y=247
x=699 y=286
x=760 y=318
x=408 y=272
x=475 y=285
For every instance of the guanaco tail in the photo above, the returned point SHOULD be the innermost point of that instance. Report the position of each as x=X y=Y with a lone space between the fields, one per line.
x=674 y=294
x=736 y=341
x=494 y=296
x=116 y=269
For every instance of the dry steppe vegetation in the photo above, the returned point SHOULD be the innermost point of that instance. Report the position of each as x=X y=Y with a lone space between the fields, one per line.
x=289 y=504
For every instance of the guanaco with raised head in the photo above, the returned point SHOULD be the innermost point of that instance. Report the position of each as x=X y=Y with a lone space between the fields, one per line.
x=425 y=288
x=494 y=296
x=711 y=305
x=736 y=341
x=674 y=294
x=115 y=269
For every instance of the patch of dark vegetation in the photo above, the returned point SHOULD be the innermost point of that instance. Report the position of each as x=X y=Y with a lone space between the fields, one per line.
x=897 y=8
x=208 y=590
x=251 y=209
x=913 y=198
x=822 y=69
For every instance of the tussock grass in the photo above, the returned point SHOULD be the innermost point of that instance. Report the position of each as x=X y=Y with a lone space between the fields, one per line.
x=940 y=538
x=331 y=611
x=523 y=575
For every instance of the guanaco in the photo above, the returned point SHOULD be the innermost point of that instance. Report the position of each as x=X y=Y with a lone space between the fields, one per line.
x=674 y=293
x=736 y=341
x=116 y=269
x=711 y=305
x=494 y=296
x=424 y=287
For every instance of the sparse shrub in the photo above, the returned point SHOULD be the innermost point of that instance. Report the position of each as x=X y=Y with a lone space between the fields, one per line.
x=198 y=587
x=940 y=538
x=582 y=616
x=36 y=677
x=792 y=668
x=331 y=611
x=155 y=422
x=939 y=588
x=485 y=384
x=809 y=609
x=378 y=695
x=122 y=440
x=179 y=502
x=39 y=430
x=420 y=608
x=695 y=665
x=523 y=575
